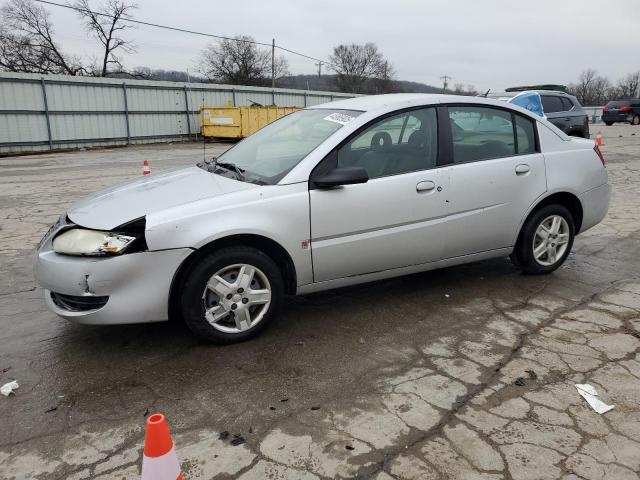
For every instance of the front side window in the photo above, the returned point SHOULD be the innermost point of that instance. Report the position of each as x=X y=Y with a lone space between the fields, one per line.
x=269 y=154
x=402 y=143
x=480 y=133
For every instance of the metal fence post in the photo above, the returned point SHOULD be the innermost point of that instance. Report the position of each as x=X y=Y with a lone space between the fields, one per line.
x=331 y=97
x=233 y=96
x=305 y=99
x=46 y=112
x=126 y=112
x=186 y=107
x=273 y=98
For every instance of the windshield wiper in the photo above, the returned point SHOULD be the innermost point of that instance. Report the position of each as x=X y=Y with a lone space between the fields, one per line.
x=212 y=164
x=232 y=167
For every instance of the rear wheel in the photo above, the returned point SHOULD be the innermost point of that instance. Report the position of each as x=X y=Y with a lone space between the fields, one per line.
x=608 y=124
x=635 y=120
x=546 y=240
x=231 y=295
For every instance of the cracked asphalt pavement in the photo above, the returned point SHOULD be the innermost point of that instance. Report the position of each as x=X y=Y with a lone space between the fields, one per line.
x=409 y=378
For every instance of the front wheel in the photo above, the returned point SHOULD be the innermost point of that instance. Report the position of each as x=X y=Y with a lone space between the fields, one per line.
x=546 y=240
x=635 y=120
x=608 y=124
x=231 y=295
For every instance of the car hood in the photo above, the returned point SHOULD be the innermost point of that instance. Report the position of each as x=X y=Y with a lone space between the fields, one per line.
x=128 y=201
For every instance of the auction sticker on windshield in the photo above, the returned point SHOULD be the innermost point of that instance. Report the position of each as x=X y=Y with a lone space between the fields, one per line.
x=340 y=118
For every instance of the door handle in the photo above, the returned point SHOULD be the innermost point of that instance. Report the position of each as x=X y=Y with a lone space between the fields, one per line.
x=522 y=169
x=425 y=186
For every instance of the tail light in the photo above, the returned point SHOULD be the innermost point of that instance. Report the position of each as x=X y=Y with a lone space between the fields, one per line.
x=599 y=153
x=605 y=109
x=626 y=108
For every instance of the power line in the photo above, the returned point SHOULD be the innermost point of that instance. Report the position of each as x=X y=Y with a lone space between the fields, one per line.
x=183 y=30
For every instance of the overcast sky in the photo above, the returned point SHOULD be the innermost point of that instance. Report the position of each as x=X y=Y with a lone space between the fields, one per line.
x=487 y=43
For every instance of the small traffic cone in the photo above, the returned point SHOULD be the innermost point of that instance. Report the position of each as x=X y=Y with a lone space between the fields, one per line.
x=159 y=461
x=599 y=138
x=145 y=168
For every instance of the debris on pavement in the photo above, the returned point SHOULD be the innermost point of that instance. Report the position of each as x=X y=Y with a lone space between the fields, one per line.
x=8 y=388
x=590 y=394
x=519 y=381
x=237 y=440
x=52 y=409
x=532 y=375
x=223 y=435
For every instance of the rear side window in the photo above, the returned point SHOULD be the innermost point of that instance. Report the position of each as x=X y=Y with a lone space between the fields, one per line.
x=481 y=133
x=525 y=134
x=551 y=104
x=566 y=104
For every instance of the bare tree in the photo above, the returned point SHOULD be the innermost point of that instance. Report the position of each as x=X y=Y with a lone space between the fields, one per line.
x=629 y=86
x=27 y=41
x=462 y=89
x=355 y=65
x=106 y=24
x=591 y=89
x=240 y=62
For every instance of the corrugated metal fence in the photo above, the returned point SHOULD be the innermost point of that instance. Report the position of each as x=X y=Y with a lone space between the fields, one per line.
x=57 y=111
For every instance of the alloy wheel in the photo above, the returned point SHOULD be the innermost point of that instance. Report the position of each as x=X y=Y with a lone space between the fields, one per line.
x=551 y=240
x=236 y=298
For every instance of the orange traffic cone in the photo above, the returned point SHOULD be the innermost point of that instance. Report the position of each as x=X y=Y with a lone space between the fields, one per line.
x=159 y=461
x=145 y=168
x=599 y=138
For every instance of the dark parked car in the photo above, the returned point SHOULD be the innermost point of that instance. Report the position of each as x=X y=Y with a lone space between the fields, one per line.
x=561 y=109
x=566 y=113
x=622 y=111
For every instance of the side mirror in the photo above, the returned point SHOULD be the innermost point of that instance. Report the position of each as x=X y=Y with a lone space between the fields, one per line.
x=342 y=176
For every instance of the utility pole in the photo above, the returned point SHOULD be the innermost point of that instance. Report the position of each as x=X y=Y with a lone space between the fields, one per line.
x=445 y=81
x=319 y=65
x=273 y=63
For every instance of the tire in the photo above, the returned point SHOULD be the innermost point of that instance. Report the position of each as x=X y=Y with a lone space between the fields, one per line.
x=240 y=301
x=608 y=124
x=635 y=120
x=530 y=239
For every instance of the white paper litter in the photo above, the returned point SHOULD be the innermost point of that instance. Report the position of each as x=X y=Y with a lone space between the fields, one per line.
x=590 y=394
x=7 y=388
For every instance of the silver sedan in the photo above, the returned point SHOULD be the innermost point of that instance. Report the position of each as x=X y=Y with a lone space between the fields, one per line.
x=333 y=195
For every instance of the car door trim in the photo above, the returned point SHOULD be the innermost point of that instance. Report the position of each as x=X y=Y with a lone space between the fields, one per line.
x=378 y=229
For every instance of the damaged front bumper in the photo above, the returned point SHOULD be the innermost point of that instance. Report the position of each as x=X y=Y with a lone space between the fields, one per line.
x=129 y=288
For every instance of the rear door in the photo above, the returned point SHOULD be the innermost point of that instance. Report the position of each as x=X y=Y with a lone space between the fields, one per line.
x=497 y=173
x=397 y=218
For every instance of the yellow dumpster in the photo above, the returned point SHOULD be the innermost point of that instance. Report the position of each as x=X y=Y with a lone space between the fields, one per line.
x=238 y=122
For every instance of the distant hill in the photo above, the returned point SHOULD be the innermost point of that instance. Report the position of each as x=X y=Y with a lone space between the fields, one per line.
x=300 y=82
x=328 y=83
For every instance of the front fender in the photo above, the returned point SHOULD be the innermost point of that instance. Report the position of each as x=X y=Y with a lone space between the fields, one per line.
x=277 y=212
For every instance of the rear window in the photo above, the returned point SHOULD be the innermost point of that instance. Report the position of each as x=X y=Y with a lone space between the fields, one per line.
x=619 y=103
x=551 y=104
x=567 y=104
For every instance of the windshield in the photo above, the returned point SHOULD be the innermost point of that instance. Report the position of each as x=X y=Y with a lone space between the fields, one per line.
x=269 y=154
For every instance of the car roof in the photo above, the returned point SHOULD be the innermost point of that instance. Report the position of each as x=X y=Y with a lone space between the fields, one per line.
x=541 y=92
x=396 y=101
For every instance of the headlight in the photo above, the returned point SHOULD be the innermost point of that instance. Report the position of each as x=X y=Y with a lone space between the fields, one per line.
x=78 y=241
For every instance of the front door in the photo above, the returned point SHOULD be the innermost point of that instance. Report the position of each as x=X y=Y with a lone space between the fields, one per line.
x=397 y=218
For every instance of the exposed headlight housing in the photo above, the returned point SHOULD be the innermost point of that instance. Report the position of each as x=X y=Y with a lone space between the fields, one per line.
x=80 y=241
